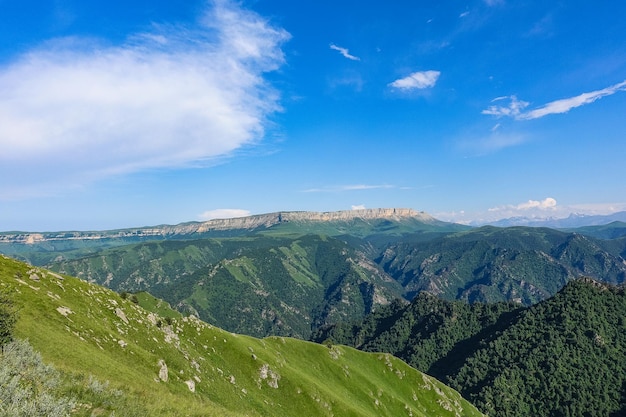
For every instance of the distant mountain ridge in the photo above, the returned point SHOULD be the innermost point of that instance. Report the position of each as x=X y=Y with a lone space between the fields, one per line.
x=574 y=220
x=241 y=223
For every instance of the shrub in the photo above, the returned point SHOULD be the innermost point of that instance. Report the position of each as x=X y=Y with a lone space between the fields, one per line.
x=28 y=387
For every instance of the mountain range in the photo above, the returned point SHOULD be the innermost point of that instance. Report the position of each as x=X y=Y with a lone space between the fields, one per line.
x=291 y=273
x=574 y=220
x=499 y=313
x=213 y=228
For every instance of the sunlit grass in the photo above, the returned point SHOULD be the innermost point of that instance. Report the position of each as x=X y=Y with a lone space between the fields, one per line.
x=90 y=334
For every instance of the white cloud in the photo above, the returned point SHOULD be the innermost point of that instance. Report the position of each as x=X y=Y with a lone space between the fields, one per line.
x=223 y=214
x=345 y=52
x=516 y=107
x=359 y=207
x=531 y=209
x=548 y=203
x=464 y=14
x=417 y=80
x=565 y=105
x=74 y=110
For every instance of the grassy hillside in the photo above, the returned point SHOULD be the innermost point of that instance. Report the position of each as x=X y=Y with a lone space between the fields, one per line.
x=254 y=285
x=561 y=357
x=171 y=366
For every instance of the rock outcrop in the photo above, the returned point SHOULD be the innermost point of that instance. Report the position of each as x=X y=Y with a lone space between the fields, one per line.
x=245 y=223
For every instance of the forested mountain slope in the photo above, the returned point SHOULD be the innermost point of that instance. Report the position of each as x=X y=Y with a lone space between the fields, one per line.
x=520 y=264
x=561 y=357
x=289 y=273
x=256 y=285
x=290 y=284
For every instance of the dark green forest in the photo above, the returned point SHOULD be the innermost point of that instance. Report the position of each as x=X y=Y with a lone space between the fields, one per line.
x=561 y=357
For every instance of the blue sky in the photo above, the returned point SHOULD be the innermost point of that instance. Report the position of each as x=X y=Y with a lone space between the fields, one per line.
x=119 y=114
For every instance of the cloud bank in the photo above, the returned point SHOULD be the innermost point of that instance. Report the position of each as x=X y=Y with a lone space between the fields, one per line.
x=75 y=110
x=547 y=204
x=516 y=108
x=345 y=52
x=417 y=80
x=531 y=209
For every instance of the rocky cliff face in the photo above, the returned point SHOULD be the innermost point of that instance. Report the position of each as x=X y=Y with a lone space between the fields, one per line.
x=266 y=220
x=250 y=222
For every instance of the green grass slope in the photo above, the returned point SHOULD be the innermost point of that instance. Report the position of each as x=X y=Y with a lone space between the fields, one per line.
x=183 y=366
x=258 y=285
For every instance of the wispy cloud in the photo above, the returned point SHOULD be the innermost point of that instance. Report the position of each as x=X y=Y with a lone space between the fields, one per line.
x=350 y=79
x=464 y=14
x=74 y=110
x=565 y=105
x=417 y=80
x=345 y=52
x=513 y=109
x=517 y=108
x=598 y=208
x=340 y=188
x=223 y=214
x=496 y=140
x=543 y=27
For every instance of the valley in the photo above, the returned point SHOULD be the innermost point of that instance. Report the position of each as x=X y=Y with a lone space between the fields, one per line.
x=452 y=301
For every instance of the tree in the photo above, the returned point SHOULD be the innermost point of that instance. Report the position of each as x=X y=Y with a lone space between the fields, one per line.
x=8 y=317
